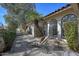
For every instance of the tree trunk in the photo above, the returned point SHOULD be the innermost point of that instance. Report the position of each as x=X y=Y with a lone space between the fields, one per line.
x=24 y=26
x=39 y=31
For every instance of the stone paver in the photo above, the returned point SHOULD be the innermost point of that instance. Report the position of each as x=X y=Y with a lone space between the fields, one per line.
x=23 y=46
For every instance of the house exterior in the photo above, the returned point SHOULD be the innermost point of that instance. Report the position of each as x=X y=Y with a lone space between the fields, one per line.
x=54 y=21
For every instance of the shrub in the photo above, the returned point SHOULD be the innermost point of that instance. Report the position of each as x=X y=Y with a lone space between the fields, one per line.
x=71 y=34
x=8 y=37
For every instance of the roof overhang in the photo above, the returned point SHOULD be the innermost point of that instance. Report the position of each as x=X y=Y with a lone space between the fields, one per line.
x=60 y=12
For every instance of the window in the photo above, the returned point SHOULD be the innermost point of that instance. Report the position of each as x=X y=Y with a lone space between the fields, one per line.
x=69 y=17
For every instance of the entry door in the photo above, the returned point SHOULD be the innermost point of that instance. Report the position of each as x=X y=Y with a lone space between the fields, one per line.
x=53 y=28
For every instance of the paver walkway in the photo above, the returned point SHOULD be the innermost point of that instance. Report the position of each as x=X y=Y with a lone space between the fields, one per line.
x=23 y=47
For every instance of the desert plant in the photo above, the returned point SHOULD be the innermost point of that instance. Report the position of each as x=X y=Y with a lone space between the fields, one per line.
x=8 y=37
x=71 y=34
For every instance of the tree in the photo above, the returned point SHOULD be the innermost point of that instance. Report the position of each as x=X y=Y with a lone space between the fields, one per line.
x=12 y=24
x=18 y=12
x=34 y=17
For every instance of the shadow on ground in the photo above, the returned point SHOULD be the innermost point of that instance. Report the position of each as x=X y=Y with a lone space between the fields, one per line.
x=26 y=45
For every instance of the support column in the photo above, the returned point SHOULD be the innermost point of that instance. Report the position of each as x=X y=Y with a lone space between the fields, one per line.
x=32 y=27
x=59 y=29
x=48 y=25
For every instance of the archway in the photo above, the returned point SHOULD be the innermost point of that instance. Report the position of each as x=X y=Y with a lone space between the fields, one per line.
x=67 y=18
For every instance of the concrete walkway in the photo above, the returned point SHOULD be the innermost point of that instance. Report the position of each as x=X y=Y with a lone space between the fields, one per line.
x=23 y=46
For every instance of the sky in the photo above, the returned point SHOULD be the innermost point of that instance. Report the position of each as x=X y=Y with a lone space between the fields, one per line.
x=41 y=8
x=2 y=13
x=46 y=8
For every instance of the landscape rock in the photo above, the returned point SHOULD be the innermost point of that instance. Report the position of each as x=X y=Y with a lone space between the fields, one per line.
x=2 y=44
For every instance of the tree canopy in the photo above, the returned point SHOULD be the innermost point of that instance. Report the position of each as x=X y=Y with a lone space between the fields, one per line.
x=33 y=16
x=17 y=12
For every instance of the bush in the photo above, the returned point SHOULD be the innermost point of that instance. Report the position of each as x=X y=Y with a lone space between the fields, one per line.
x=8 y=37
x=71 y=34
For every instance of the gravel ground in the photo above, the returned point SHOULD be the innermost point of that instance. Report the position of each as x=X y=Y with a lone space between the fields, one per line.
x=24 y=46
